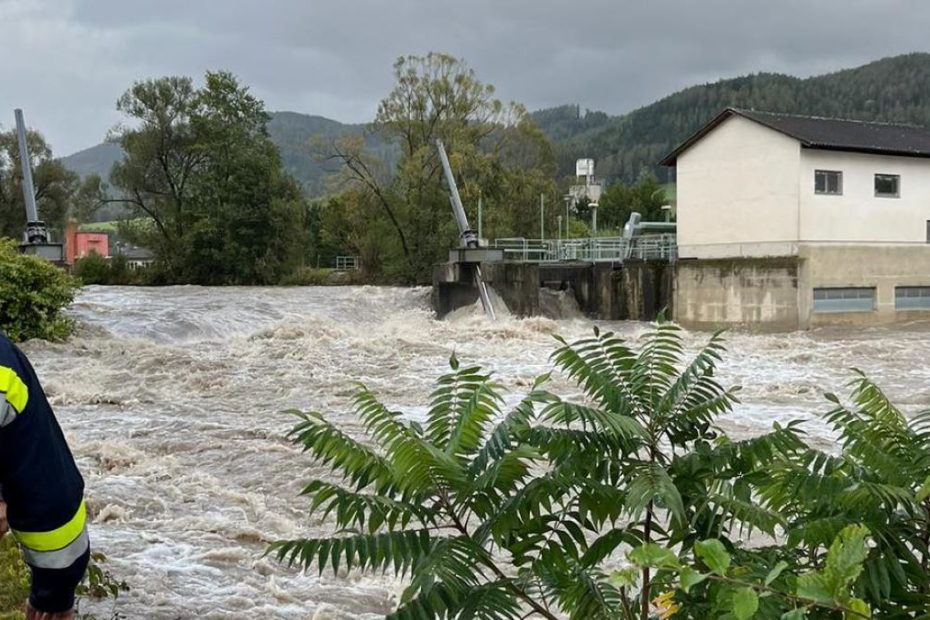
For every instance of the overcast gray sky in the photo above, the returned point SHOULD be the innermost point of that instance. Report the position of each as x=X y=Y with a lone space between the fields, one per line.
x=66 y=61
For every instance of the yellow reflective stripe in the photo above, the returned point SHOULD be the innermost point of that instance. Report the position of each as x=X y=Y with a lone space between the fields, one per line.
x=58 y=538
x=14 y=388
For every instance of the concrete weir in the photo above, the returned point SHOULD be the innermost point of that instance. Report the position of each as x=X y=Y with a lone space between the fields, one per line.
x=635 y=289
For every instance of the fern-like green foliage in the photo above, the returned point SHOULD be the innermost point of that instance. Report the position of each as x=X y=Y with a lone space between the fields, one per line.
x=715 y=584
x=494 y=512
x=881 y=479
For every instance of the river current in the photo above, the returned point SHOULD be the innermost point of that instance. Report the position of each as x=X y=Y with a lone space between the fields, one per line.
x=172 y=401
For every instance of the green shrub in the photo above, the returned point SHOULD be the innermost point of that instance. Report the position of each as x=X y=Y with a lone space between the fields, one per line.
x=33 y=293
x=494 y=512
x=95 y=269
x=313 y=276
x=307 y=276
x=92 y=269
x=120 y=273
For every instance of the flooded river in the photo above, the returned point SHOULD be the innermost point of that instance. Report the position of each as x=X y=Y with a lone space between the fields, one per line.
x=171 y=399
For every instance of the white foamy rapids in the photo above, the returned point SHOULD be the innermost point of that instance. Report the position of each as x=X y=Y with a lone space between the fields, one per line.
x=171 y=399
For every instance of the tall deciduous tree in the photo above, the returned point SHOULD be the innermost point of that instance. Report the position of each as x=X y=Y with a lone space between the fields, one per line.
x=207 y=182
x=494 y=148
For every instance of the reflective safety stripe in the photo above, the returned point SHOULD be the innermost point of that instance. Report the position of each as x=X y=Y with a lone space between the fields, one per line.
x=57 y=538
x=60 y=558
x=7 y=413
x=13 y=395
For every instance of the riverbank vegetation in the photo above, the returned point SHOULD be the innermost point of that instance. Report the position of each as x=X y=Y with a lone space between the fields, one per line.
x=33 y=296
x=629 y=504
x=98 y=584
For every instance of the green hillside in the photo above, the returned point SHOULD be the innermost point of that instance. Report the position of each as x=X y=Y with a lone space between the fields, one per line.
x=95 y=160
x=296 y=136
x=892 y=89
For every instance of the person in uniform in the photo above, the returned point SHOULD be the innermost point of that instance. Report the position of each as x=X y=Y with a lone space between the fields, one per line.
x=41 y=490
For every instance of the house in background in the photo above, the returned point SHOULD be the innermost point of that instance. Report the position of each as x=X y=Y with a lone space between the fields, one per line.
x=789 y=222
x=136 y=257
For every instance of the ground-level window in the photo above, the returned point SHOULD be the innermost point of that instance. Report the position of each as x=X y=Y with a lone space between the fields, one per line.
x=851 y=299
x=828 y=182
x=912 y=298
x=888 y=185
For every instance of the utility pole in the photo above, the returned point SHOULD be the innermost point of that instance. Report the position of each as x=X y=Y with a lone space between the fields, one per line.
x=542 y=217
x=479 y=214
x=568 y=201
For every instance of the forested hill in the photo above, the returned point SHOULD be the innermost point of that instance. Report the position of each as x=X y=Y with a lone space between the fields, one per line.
x=892 y=89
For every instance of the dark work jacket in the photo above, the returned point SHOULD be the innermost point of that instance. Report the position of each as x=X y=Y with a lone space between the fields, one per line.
x=40 y=484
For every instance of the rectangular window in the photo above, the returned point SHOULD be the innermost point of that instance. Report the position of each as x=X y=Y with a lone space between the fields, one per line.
x=888 y=185
x=912 y=298
x=853 y=299
x=828 y=182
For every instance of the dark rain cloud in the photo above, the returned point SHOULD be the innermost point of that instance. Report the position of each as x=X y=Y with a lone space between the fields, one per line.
x=66 y=61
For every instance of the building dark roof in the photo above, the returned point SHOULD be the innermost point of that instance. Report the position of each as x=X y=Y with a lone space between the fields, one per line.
x=826 y=133
x=132 y=252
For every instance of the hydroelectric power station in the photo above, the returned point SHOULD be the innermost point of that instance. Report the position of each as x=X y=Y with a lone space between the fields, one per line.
x=625 y=277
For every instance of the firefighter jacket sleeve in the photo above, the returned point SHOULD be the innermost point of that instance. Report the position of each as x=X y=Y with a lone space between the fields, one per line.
x=41 y=486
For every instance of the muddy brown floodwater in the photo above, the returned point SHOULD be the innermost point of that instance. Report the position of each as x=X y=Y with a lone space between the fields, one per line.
x=172 y=399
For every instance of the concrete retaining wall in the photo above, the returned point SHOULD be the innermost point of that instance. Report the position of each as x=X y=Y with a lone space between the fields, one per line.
x=636 y=290
x=517 y=284
x=881 y=266
x=757 y=293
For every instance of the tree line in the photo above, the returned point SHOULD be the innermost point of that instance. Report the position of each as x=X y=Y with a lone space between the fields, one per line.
x=203 y=186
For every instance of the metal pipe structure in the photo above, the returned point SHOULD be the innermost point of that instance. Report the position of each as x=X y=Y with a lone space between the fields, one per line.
x=29 y=192
x=466 y=234
x=36 y=232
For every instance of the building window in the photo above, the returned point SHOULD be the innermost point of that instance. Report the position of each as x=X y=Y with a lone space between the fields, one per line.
x=853 y=299
x=888 y=185
x=912 y=298
x=828 y=182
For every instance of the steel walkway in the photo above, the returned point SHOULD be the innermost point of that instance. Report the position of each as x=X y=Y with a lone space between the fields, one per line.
x=595 y=249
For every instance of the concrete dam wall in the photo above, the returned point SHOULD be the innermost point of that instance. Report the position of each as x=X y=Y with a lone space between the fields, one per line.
x=633 y=290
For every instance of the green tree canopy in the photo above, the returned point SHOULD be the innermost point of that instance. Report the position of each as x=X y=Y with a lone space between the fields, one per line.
x=495 y=150
x=619 y=200
x=215 y=205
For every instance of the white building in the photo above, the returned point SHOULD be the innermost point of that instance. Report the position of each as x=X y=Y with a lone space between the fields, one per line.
x=795 y=221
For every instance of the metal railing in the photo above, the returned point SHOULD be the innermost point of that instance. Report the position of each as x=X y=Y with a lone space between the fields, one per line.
x=594 y=249
x=347 y=263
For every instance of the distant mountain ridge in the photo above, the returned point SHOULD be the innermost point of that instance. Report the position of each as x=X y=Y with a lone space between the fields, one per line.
x=895 y=89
